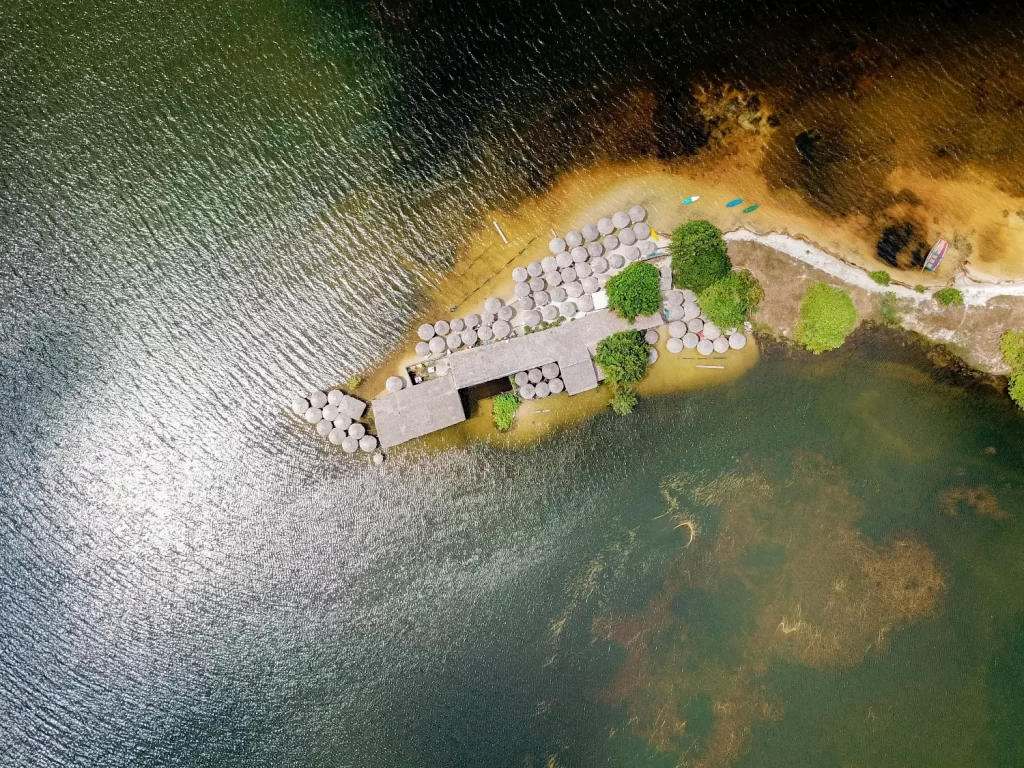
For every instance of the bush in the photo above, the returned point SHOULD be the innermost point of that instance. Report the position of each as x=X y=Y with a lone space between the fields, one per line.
x=504 y=411
x=1011 y=344
x=729 y=302
x=698 y=256
x=636 y=290
x=880 y=276
x=827 y=317
x=889 y=311
x=949 y=297
x=623 y=357
x=1017 y=387
x=919 y=288
x=624 y=400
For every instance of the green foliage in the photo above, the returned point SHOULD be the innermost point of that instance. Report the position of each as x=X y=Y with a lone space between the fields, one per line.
x=623 y=357
x=889 y=311
x=880 y=276
x=949 y=297
x=624 y=400
x=827 y=317
x=504 y=411
x=354 y=381
x=919 y=288
x=698 y=255
x=1017 y=387
x=543 y=326
x=1011 y=344
x=729 y=302
x=635 y=291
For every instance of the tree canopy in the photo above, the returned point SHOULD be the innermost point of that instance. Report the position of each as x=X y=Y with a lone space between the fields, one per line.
x=504 y=410
x=623 y=357
x=698 y=255
x=728 y=302
x=827 y=317
x=635 y=291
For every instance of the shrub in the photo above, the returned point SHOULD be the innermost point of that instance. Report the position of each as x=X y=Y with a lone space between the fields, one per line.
x=635 y=291
x=698 y=255
x=919 y=288
x=729 y=302
x=889 y=311
x=624 y=400
x=880 y=276
x=623 y=357
x=1017 y=387
x=949 y=297
x=827 y=317
x=1011 y=344
x=504 y=411
x=354 y=381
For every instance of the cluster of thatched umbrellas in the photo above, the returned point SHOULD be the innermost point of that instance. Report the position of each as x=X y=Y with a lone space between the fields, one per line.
x=336 y=416
x=539 y=382
x=445 y=335
x=689 y=328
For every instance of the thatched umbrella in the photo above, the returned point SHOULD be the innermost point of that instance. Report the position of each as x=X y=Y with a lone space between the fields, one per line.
x=610 y=242
x=422 y=349
x=557 y=245
x=558 y=295
x=674 y=299
x=488 y=319
x=526 y=392
x=542 y=390
x=313 y=415
x=691 y=340
x=568 y=274
x=441 y=328
x=336 y=436
x=585 y=303
x=520 y=275
x=583 y=270
x=343 y=422
x=737 y=341
x=484 y=333
x=550 y=264
x=711 y=331
x=300 y=405
x=318 y=398
x=689 y=295
x=594 y=250
x=437 y=345
x=453 y=340
x=652 y=356
x=534 y=269
x=590 y=232
x=677 y=329
x=506 y=313
x=553 y=279
x=426 y=332
x=574 y=289
x=674 y=345
x=573 y=239
x=377 y=459
x=564 y=259
x=472 y=320
x=469 y=337
x=627 y=236
x=357 y=430
x=616 y=261
x=632 y=253
x=646 y=247
x=590 y=285
x=605 y=225
x=620 y=219
x=523 y=290
x=550 y=313
x=637 y=213
x=330 y=412
x=579 y=255
x=705 y=346
x=324 y=427
x=502 y=329
x=721 y=345
x=531 y=318
x=673 y=313
x=696 y=325
x=526 y=303
x=523 y=377
x=666 y=277
x=651 y=336
x=458 y=324
x=537 y=284
x=568 y=309
x=536 y=375
x=367 y=443
x=556 y=386
x=337 y=397
x=550 y=370
x=541 y=298
x=641 y=230
x=690 y=310
x=493 y=304
x=599 y=265
x=350 y=444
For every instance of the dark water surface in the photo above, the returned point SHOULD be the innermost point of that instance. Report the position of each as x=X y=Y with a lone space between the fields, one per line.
x=192 y=195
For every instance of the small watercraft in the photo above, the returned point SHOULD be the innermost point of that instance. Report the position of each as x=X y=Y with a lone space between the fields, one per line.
x=751 y=208
x=734 y=203
x=692 y=199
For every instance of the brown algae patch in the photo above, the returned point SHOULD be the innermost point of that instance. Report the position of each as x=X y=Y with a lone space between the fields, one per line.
x=799 y=582
x=980 y=499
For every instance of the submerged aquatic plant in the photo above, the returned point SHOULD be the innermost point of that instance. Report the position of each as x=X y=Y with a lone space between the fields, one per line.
x=888 y=311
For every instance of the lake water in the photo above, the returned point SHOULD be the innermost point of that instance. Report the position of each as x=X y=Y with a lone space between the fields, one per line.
x=191 y=201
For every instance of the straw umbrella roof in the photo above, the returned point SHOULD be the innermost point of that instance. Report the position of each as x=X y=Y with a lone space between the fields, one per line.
x=599 y=265
x=573 y=239
x=556 y=385
x=673 y=313
x=523 y=290
x=313 y=415
x=394 y=384
x=689 y=295
x=422 y=349
x=585 y=303
x=605 y=225
x=652 y=356
x=690 y=340
x=453 y=340
x=520 y=275
x=568 y=274
x=690 y=310
x=737 y=341
x=336 y=436
x=343 y=422
x=590 y=285
x=523 y=377
x=564 y=259
x=324 y=427
x=632 y=253
x=357 y=430
x=426 y=332
x=537 y=284
x=367 y=443
x=535 y=375
x=350 y=444
x=336 y=396
x=574 y=289
x=641 y=230
x=534 y=269
x=637 y=213
x=484 y=333
x=646 y=247
x=458 y=324
x=627 y=236
x=616 y=261
x=676 y=329
x=493 y=304
x=579 y=255
x=300 y=405
x=696 y=325
x=711 y=331
x=568 y=309
x=330 y=412
x=550 y=313
x=674 y=345
x=550 y=370
x=674 y=299
x=441 y=328
x=583 y=270
x=502 y=329
x=318 y=398
x=553 y=279
x=526 y=303
x=721 y=345
x=506 y=313
x=602 y=280
x=651 y=336
x=437 y=345
x=526 y=392
x=558 y=294
x=620 y=219
x=550 y=264
x=531 y=318
x=542 y=389
x=541 y=298
x=705 y=346
x=557 y=245
x=377 y=459
x=611 y=242
x=472 y=320
x=590 y=232
x=469 y=337
x=594 y=250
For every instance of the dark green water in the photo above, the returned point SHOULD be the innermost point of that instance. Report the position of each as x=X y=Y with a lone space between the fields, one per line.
x=190 y=199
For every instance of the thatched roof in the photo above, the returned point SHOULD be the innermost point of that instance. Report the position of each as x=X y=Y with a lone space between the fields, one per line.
x=313 y=415
x=637 y=213
x=318 y=398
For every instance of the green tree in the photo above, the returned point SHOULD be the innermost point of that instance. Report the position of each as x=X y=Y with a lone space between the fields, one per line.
x=949 y=297
x=504 y=410
x=1017 y=387
x=624 y=400
x=698 y=255
x=1011 y=344
x=880 y=276
x=729 y=301
x=635 y=291
x=827 y=317
x=623 y=357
